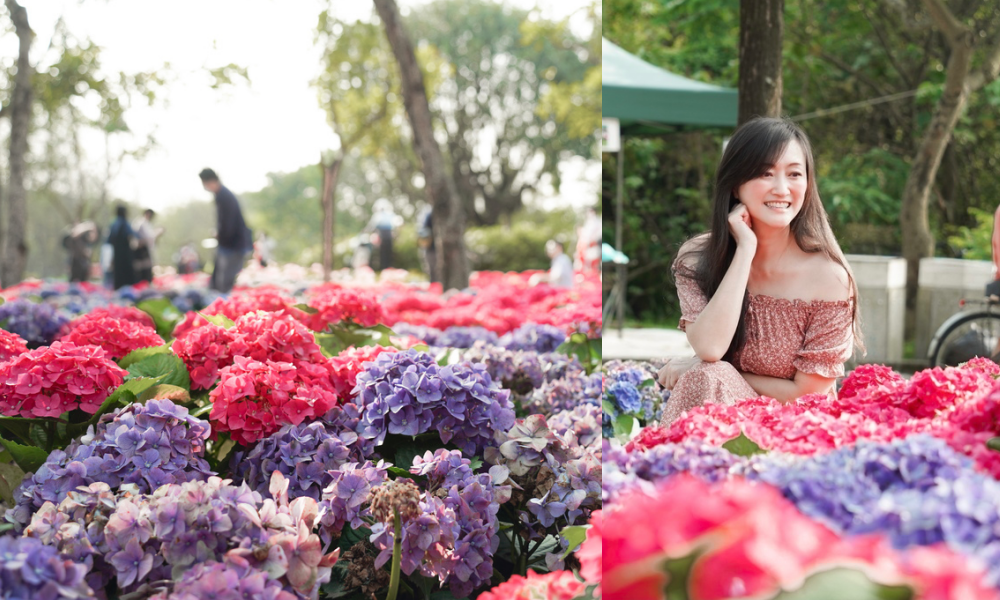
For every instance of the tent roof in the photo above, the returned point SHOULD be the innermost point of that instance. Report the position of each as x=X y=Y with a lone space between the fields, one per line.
x=648 y=99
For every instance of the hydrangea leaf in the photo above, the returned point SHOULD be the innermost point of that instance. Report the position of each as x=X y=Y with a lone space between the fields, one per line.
x=306 y=309
x=18 y=426
x=165 y=315
x=220 y=320
x=574 y=535
x=167 y=366
x=741 y=445
x=165 y=391
x=678 y=571
x=141 y=354
x=993 y=443
x=624 y=425
x=28 y=458
x=124 y=395
x=10 y=477
x=845 y=583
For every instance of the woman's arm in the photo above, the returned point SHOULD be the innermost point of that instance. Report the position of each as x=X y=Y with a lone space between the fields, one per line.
x=786 y=390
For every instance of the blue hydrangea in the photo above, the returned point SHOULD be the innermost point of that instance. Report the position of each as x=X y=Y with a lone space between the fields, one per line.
x=531 y=336
x=626 y=397
x=37 y=322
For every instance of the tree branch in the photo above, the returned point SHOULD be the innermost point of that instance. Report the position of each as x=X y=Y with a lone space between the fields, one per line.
x=946 y=22
x=988 y=71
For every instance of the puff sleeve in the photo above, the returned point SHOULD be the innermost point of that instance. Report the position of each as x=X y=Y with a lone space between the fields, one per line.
x=829 y=339
x=692 y=299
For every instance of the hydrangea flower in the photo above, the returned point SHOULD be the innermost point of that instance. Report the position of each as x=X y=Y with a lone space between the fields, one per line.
x=345 y=501
x=51 y=380
x=518 y=371
x=407 y=393
x=558 y=585
x=204 y=350
x=11 y=345
x=118 y=337
x=566 y=393
x=30 y=569
x=232 y=579
x=111 y=311
x=582 y=421
x=146 y=445
x=532 y=336
x=457 y=511
x=303 y=453
x=349 y=363
x=335 y=304
x=254 y=399
x=38 y=323
x=236 y=305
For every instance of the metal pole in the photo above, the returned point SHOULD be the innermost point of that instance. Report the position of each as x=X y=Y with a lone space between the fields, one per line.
x=621 y=272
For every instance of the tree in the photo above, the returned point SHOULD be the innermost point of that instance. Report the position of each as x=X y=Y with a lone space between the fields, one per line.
x=961 y=81
x=761 y=27
x=15 y=248
x=449 y=218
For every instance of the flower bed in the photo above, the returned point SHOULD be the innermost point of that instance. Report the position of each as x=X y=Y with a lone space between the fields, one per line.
x=891 y=485
x=285 y=443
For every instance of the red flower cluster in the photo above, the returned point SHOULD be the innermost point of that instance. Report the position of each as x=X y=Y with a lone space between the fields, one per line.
x=118 y=337
x=51 y=380
x=867 y=377
x=11 y=345
x=591 y=554
x=349 y=363
x=336 y=304
x=240 y=303
x=254 y=399
x=933 y=390
x=261 y=336
x=558 y=585
x=753 y=542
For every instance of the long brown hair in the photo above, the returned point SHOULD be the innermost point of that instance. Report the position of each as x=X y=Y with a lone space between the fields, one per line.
x=754 y=148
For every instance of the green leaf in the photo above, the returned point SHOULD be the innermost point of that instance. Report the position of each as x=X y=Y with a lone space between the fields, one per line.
x=623 y=425
x=39 y=435
x=168 y=367
x=220 y=320
x=609 y=407
x=141 y=354
x=475 y=462
x=29 y=458
x=204 y=410
x=176 y=394
x=124 y=395
x=397 y=472
x=537 y=558
x=993 y=444
x=845 y=583
x=165 y=315
x=18 y=426
x=11 y=476
x=678 y=571
x=575 y=535
x=741 y=445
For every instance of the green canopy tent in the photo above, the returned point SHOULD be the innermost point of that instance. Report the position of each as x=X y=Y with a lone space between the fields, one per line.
x=648 y=100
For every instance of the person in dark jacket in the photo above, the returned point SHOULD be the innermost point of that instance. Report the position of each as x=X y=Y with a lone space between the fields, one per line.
x=121 y=237
x=235 y=239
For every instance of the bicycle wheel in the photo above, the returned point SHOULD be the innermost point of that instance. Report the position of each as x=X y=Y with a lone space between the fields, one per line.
x=969 y=336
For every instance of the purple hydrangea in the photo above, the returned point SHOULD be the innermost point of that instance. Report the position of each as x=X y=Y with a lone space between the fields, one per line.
x=458 y=511
x=37 y=322
x=465 y=337
x=30 y=569
x=345 y=500
x=566 y=394
x=233 y=579
x=407 y=393
x=582 y=421
x=517 y=371
x=304 y=453
x=532 y=336
x=147 y=445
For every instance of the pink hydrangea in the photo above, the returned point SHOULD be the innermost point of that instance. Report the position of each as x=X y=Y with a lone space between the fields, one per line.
x=933 y=390
x=240 y=303
x=349 y=363
x=590 y=554
x=983 y=364
x=336 y=304
x=558 y=585
x=11 y=345
x=52 y=380
x=117 y=337
x=753 y=543
x=204 y=350
x=254 y=399
x=868 y=376
x=113 y=311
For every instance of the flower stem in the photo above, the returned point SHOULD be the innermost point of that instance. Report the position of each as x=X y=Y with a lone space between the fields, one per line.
x=397 y=554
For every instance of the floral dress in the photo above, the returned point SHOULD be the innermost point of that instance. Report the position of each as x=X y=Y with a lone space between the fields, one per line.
x=783 y=337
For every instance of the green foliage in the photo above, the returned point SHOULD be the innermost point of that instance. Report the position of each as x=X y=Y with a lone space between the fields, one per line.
x=521 y=246
x=166 y=366
x=741 y=445
x=974 y=243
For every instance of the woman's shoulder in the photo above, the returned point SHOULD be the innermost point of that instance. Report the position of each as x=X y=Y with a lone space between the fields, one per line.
x=689 y=253
x=824 y=279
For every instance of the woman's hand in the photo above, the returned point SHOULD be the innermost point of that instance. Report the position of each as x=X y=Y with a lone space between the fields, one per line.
x=672 y=371
x=741 y=227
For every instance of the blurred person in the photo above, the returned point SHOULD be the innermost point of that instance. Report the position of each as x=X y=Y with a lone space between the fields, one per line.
x=122 y=239
x=79 y=241
x=263 y=249
x=187 y=260
x=561 y=270
x=234 y=237
x=383 y=222
x=145 y=251
x=425 y=240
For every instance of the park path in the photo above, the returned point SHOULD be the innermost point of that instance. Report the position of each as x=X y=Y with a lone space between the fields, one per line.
x=644 y=344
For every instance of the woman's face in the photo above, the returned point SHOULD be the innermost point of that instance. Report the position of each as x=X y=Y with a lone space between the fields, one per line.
x=774 y=198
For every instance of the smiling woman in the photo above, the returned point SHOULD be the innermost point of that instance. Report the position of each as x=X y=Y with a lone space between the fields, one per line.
x=768 y=301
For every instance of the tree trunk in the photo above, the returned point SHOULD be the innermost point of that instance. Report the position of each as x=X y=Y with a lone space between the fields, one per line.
x=330 y=173
x=449 y=217
x=15 y=250
x=761 y=27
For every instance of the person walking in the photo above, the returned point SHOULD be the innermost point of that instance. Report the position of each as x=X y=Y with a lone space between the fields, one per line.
x=145 y=255
x=121 y=237
x=383 y=221
x=79 y=241
x=235 y=239
x=425 y=239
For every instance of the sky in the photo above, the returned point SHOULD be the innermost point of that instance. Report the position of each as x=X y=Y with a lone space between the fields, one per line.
x=272 y=124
